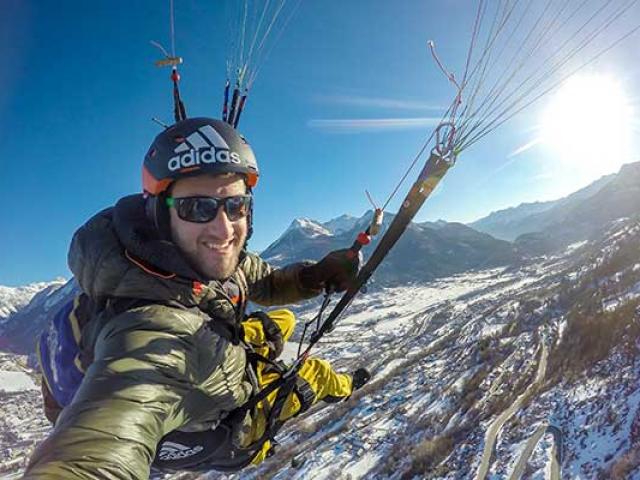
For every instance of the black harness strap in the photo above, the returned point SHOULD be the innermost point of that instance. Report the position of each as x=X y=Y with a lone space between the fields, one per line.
x=272 y=333
x=266 y=391
x=274 y=423
x=305 y=394
x=201 y=451
x=214 y=449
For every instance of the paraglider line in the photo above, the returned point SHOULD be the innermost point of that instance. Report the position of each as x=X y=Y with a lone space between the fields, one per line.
x=172 y=28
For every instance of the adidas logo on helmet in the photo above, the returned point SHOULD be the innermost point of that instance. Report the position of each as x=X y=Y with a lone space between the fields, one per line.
x=203 y=146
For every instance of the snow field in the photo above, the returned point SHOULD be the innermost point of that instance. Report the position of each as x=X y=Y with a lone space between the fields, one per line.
x=16 y=381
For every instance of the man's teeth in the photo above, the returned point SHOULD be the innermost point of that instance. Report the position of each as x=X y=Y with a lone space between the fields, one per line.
x=216 y=246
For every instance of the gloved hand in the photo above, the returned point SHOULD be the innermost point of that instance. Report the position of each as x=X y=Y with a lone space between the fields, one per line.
x=334 y=273
x=360 y=377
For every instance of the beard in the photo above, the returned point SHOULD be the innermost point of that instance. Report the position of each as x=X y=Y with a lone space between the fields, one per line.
x=215 y=265
x=210 y=259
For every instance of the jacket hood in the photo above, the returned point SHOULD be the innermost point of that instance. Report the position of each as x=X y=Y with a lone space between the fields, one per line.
x=117 y=253
x=140 y=238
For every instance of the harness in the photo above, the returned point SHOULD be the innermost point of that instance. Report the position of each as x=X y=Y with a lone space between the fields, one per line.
x=215 y=449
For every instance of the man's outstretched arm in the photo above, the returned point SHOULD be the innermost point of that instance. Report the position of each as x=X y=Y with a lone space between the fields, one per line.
x=275 y=286
x=299 y=281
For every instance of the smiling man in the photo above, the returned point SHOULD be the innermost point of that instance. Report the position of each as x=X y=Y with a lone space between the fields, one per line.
x=214 y=248
x=166 y=354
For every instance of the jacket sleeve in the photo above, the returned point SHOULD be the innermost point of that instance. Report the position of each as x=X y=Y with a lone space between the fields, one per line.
x=270 y=286
x=131 y=396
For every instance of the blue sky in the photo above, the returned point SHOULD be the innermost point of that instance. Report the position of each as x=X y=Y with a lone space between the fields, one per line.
x=79 y=87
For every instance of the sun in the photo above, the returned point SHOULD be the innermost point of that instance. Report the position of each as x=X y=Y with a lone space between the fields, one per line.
x=588 y=125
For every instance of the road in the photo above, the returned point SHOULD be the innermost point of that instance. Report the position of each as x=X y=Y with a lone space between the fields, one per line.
x=526 y=453
x=496 y=426
x=556 y=455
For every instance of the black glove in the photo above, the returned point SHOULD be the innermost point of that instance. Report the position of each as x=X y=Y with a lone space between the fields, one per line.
x=335 y=272
x=360 y=377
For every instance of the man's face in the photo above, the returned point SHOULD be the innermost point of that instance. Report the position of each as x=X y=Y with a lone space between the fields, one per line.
x=212 y=248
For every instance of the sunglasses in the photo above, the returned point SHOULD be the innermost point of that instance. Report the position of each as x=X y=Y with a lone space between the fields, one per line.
x=205 y=209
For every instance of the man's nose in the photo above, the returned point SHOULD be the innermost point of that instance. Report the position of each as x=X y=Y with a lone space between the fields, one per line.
x=221 y=227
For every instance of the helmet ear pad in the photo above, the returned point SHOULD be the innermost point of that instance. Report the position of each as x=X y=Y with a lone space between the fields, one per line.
x=157 y=213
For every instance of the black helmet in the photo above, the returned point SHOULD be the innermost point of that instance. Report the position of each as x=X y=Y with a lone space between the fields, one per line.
x=192 y=147
x=195 y=146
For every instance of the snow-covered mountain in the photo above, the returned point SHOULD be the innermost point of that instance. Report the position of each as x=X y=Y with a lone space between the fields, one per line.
x=434 y=249
x=510 y=223
x=301 y=241
x=20 y=330
x=343 y=223
x=307 y=228
x=425 y=251
x=13 y=299
x=579 y=220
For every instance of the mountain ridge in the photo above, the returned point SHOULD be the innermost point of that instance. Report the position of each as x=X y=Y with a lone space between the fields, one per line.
x=511 y=222
x=13 y=299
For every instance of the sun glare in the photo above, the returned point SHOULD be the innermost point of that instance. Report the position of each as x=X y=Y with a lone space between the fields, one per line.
x=588 y=125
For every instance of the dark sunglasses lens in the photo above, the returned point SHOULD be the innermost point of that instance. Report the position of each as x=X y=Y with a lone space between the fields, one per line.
x=199 y=210
x=237 y=207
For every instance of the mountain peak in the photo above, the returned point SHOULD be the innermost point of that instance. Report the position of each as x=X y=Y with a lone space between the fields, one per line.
x=341 y=224
x=13 y=299
x=308 y=227
x=527 y=218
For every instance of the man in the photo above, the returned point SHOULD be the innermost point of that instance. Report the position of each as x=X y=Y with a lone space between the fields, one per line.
x=168 y=277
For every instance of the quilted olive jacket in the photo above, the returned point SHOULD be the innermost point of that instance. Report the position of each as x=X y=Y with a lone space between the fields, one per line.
x=157 y=366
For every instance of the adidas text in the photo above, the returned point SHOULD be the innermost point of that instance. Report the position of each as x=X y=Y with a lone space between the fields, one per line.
x=192 y=158
x=176 y=451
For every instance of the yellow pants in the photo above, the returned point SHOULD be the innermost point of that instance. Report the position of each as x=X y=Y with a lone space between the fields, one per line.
x=322 y=379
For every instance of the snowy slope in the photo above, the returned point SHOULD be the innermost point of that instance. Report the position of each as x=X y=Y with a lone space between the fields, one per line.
x=512 y=222
x=22 y=328
x=16 y=381
x=502 y=369
x=341 y=224
x=452 y=358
